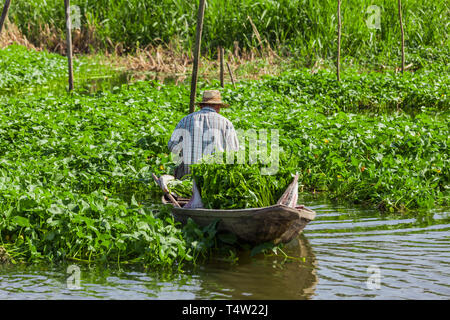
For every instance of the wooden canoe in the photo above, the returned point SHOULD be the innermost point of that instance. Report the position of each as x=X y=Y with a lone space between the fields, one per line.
x=277 y=223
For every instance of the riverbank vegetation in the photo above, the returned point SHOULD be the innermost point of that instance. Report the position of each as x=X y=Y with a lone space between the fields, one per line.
x=306 y=27
x=301 y=32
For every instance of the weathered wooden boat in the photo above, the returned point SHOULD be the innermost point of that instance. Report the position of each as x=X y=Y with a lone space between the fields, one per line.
x=281 y=222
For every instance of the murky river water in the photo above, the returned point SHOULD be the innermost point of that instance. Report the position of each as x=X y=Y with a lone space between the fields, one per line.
x=346 y=253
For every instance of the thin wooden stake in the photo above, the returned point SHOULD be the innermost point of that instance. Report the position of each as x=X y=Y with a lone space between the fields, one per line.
x=403 y=33
x=69 y=43
x=338 y=62
x=4 y=14
x=231 y=75
x=198 y=40
x=221 y=67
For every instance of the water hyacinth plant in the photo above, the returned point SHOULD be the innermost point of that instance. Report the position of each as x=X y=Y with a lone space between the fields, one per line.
x=75 y=170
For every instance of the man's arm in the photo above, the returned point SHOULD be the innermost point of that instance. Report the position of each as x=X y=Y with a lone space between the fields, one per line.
x=232 y=142
x=175 y=139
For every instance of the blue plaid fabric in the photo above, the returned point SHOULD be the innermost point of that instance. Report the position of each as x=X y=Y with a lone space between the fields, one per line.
x=201 y=133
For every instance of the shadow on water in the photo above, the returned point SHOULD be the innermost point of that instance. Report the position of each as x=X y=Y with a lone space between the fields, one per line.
x=259 y=277
x=263 y=276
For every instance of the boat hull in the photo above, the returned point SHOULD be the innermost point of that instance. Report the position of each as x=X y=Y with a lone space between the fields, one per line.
x=277 y=223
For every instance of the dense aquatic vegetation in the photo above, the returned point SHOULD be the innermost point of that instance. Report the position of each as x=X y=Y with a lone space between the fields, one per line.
x=389 y=147
x=376 y=92
x=75 y=170
x=24 y=70
x=69 y=186
x=21 y=67
x=372 y=91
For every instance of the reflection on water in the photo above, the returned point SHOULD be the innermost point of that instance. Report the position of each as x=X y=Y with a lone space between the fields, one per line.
x=253 y=277
x=332 y=258
x=413 y=254
x=97 y=85
x=271 y=277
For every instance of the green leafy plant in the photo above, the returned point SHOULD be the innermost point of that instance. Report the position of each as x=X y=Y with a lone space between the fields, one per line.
x=182 y=188
x=306 y=28
x=75 y=170
x=238 y=186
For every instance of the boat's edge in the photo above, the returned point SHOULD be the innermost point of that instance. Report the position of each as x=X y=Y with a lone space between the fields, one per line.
x=304 y=212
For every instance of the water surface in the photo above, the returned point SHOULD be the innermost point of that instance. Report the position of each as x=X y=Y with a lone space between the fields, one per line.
x=340 y=255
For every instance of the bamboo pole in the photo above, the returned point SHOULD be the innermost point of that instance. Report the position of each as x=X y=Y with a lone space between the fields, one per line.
x=231 y=75
x=402 y=32
x=198 y=40
x=338 y=62
x=221 y=67
x=69 y=43
x=4 y=14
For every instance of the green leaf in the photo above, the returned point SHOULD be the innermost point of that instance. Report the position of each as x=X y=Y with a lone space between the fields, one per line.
x=21 y=221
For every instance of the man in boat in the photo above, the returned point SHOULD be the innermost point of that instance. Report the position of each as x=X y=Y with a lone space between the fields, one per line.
x=202 y=133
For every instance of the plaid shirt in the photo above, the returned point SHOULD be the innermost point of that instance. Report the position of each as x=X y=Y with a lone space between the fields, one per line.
x=201 y=133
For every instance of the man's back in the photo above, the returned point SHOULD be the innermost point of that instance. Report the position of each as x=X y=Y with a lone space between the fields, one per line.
x=202 y=133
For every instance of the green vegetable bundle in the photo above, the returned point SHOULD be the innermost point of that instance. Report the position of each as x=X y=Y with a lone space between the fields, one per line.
x=238 y=186
x=182 y=188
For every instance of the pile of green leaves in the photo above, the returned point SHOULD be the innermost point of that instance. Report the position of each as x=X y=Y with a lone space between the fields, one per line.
x=182 y=188
x=240 y=186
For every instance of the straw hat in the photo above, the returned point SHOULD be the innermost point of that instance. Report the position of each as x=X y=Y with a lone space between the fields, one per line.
x=212 y=97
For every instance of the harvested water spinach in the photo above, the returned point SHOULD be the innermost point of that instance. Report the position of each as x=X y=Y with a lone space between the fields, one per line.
x=182 y=188
x=239 y=186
